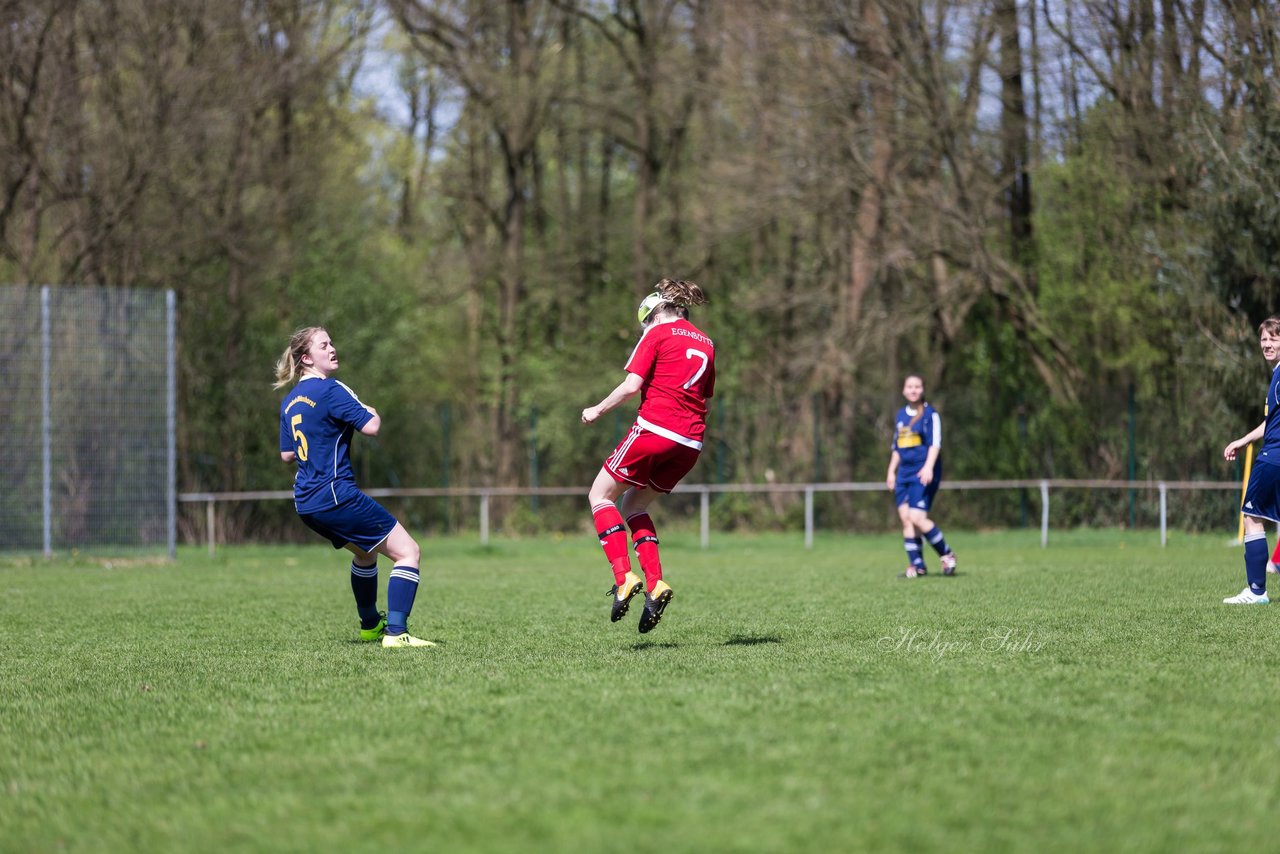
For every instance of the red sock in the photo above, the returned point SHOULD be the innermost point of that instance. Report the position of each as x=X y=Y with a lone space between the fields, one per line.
x=613 y=536
x=646 y=540
x=1275 y=555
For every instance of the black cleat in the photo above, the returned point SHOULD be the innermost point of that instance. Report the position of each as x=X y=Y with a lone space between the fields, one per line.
x=631 y=585
x=654 y=605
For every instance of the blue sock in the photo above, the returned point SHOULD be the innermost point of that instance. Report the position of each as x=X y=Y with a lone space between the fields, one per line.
x=936 y=540
x=912 y=545
x=364 y=584
x=1255 y=561
x=402 y=587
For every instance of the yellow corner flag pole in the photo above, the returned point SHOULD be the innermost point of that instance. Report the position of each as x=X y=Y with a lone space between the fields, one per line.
x=1244 y=486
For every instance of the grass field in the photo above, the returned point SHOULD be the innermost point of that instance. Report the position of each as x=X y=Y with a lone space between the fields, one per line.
x=1091 y=696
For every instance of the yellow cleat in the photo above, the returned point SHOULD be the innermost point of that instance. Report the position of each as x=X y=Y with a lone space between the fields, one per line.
x=631 y=585
x=404 y=639
x=375 y=633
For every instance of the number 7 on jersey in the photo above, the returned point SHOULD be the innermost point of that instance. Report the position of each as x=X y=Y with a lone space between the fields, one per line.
x=692 y=353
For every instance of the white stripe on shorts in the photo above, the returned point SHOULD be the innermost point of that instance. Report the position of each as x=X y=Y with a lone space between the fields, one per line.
x=621 y=450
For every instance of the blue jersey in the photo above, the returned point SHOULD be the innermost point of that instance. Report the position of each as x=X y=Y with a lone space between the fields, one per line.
x=1270 y=451
x=317 y=419
x=913 y=437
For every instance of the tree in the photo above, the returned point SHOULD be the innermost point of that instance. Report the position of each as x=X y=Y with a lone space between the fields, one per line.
x=493 y=50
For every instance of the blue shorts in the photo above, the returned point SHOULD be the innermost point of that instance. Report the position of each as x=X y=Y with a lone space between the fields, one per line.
x=1262 y=495
x=359 y=520
x=913 y=493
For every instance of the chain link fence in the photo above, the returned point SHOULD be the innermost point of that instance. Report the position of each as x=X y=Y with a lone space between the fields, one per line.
x=88 y=458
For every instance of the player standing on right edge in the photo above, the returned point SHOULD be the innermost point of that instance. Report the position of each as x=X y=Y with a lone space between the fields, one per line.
x=1262 y=495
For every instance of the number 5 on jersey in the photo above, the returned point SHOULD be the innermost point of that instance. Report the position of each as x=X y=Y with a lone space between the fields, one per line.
x=296 y=424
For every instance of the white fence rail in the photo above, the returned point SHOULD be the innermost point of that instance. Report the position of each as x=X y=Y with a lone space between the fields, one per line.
x=704 y=491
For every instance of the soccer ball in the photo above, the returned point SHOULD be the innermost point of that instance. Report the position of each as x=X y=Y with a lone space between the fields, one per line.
x=647 y=306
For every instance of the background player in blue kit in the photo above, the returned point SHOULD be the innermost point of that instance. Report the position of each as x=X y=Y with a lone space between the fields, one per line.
x=317 y=419
x=1262 y=494
x=915 y=473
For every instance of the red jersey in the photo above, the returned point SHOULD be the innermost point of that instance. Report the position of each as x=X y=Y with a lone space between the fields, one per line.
x=678 y=364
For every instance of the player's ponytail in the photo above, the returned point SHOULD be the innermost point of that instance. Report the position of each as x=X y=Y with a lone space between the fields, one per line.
x=681 y=294
x=289 y=365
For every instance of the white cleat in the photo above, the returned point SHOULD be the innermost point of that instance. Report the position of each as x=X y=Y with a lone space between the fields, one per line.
x=404 y=639
x=1247 y=597
x=1271 y=568
x=948 y=562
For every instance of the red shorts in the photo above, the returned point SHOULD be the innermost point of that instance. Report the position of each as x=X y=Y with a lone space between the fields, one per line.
x=648 y=460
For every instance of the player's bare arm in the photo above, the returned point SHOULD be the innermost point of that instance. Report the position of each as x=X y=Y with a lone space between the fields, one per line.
x=626 y=390
x=1229 y=453
x=926 y=471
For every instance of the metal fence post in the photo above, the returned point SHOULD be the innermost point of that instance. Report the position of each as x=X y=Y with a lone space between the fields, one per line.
x=46 y=423
x=1164 y=519
x=704 y=511
x=808 y=517
x=208 y=526
x=171 y=416
x=1044 y=514
x=484 y=519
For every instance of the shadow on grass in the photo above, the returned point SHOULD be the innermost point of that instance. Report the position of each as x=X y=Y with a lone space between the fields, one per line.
x=752 y=640
x=643 y=645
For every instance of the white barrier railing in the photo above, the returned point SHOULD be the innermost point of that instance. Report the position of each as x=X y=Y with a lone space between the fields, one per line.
x=210 y=499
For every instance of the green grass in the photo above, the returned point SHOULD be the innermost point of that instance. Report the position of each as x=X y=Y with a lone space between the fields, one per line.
x=1094 y=695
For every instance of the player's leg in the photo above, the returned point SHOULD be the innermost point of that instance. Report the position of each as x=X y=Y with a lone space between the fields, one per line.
x=1255 y=563
x=1273 y=565
x=603 y=497
x=1261 y=502
x=911 y=543
x=402 y=586
x=357 y=526
x=931 y=533
x=364 y=586
x=644 y=535
x=927 y=529
x=669 y=462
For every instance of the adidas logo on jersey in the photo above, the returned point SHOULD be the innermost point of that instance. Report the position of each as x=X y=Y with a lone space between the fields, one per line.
x=623 y=470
